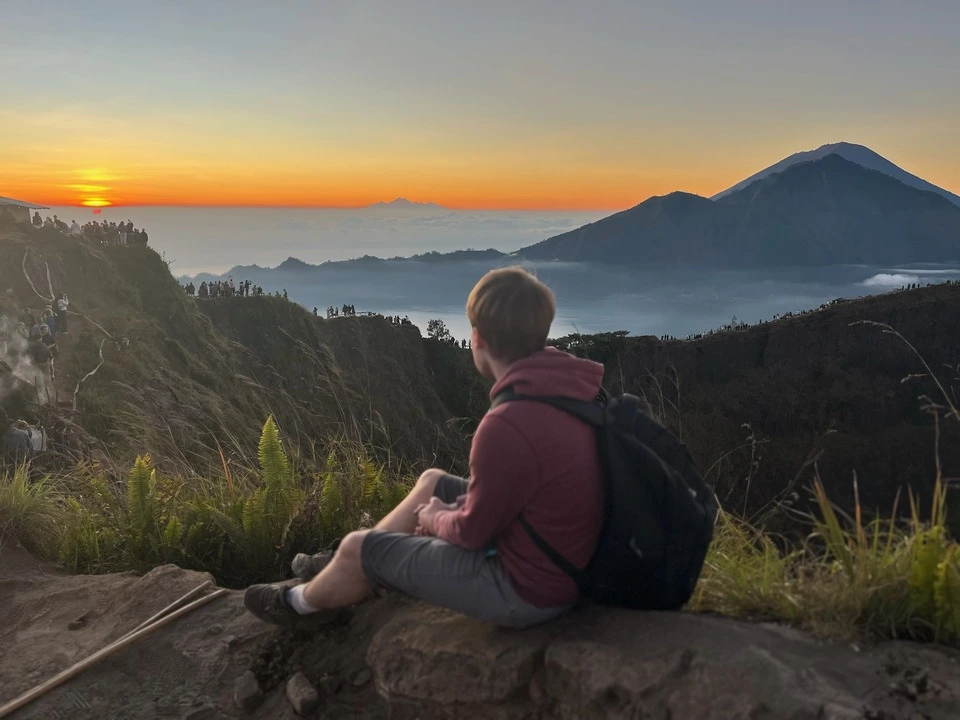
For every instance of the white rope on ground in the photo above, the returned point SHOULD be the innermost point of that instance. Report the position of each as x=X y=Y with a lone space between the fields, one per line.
x=80 y=382
x=103 y=329
x=29 y=280
x=50 y=282
x=110 y=649
x=171 y=607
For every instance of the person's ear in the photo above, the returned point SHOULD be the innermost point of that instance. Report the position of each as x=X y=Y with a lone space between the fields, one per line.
x=476 y=340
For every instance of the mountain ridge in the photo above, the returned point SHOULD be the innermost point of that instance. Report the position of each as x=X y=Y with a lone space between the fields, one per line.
x=788 y=214
x=859 y=154
x=820 y=212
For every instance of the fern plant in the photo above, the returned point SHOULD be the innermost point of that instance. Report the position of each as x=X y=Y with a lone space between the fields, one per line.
x=271 y=508
x=143 y=532
x=140 y=495
x=331 y=501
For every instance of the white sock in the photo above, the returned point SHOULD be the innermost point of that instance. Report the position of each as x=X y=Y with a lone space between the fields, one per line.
x=298 y=602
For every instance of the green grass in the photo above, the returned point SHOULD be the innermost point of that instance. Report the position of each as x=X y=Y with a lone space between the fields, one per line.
x=881 y=579
x=241 y=524
x=29 y=512
x=851 y=578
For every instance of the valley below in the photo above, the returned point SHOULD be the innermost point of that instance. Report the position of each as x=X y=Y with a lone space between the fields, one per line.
x=592 y=297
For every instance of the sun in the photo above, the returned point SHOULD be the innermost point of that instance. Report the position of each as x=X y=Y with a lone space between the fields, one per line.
x=96 y=203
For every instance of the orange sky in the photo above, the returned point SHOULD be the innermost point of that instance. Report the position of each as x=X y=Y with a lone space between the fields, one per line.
x=516 y=178
x=488 y=105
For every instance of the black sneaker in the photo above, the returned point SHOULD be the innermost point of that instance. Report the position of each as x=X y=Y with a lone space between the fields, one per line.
x=307 y=567
x=269 y=603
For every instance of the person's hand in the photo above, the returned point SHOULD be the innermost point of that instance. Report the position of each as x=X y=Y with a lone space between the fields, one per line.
x=427 y=513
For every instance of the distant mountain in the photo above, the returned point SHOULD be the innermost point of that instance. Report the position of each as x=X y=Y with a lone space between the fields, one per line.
x=824 y=212
x=296 y=265
x=292 y=263
x=404 y=204
x=858 y=154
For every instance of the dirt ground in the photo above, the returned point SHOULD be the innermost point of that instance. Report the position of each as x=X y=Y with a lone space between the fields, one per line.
x=185 y=670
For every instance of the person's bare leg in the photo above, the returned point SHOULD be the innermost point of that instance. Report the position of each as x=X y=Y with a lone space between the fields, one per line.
x=342 y=582
x=401 y=519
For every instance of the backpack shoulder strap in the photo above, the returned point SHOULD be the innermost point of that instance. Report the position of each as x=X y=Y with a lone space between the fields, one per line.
x=592 y=413
x=547 y=549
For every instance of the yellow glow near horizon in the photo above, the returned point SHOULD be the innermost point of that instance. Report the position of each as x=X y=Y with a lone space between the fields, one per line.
x=80 y=187
x=96 y=202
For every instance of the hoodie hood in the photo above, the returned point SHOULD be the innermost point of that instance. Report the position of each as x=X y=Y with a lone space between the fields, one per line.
x=552 y=372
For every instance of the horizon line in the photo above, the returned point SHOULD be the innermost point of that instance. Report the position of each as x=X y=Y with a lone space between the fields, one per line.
x=367 y=206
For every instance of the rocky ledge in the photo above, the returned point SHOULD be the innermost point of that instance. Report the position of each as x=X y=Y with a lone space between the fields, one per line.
x=606 y=664
x=393 y=658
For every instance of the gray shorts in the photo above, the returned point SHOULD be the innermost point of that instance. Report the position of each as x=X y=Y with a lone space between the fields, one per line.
x=473 y=582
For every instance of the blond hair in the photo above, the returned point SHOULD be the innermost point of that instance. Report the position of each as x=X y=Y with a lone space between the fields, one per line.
x=512 y=310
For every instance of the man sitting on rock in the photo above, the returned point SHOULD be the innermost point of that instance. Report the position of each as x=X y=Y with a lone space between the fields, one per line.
x=462 y=545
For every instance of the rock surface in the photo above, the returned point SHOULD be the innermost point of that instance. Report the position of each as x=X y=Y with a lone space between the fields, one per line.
x=428 y=663
x=301 y=694
x=605 y=664
x=247 y=693
x=362 y=677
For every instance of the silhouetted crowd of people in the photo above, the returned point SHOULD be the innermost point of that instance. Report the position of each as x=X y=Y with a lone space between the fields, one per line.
x=119 y=234
x=917 y=286
x=225 y=288
x=345 y=311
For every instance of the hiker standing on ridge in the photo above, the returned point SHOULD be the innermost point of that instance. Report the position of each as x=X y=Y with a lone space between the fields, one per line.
x=41 y=354
x=460 y=544
x=63 y=303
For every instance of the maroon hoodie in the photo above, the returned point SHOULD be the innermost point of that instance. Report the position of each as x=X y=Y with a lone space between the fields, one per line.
x=532 y=458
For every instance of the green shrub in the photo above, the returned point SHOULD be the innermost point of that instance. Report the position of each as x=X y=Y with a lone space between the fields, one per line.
x=880 y=578
x=242 y=526
x=28 y=511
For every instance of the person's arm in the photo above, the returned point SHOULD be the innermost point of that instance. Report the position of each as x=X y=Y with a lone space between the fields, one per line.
x=504 y=475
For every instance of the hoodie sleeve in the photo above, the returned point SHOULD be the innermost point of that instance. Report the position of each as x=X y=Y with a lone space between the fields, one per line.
x=504 y=475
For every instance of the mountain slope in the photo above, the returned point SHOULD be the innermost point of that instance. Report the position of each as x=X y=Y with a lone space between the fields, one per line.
x=180 y=376
x=664 y=228
x=824 y=212
x=858 y=154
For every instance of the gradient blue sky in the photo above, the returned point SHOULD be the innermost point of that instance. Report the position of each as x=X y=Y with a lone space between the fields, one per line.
x=470 y=104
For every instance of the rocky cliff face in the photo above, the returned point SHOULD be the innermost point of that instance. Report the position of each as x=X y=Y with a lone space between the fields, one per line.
x=814 y=386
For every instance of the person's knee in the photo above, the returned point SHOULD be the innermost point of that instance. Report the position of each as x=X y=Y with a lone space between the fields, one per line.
x=429 y=478
x=351 y=546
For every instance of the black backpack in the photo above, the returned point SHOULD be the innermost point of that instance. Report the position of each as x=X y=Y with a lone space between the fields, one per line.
x=659 y=513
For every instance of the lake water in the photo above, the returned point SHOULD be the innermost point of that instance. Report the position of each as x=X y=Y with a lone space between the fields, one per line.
x=591 y=298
